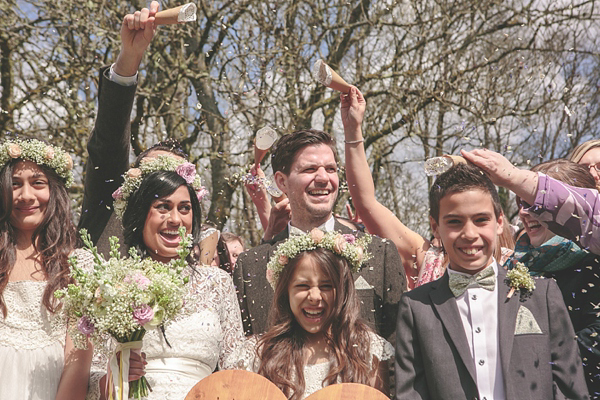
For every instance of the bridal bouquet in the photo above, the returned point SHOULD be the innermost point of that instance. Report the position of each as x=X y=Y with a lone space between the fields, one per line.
x=123 y=298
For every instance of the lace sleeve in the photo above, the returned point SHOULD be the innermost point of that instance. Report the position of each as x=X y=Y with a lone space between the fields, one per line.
x=244 y=356
x=380 y=348
x=231 y=322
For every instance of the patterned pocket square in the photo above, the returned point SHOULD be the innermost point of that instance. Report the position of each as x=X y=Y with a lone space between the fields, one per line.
x=526 y=323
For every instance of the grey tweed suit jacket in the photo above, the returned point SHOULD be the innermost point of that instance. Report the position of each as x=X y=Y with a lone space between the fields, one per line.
x=433 y=360
x=383 y=282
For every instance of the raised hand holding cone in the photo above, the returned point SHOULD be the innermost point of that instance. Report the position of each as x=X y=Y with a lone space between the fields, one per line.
x=328 y=77
x=177 y=15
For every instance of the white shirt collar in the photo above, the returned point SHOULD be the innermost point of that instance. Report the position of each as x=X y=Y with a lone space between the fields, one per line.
x=328 y=226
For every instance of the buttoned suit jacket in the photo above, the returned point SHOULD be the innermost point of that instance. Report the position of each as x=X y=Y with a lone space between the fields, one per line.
x=433 y=359
x=108 y=159
x=379 y=303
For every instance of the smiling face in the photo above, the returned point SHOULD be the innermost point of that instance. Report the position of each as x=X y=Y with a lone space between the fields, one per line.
x=164 y=218
x=311 y=186
x=537 y=232
x=311 y=295
x=31 y=193
x=468 y=229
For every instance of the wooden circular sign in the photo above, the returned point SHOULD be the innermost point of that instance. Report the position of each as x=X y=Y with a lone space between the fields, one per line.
x=235 y=384
x=348 y=391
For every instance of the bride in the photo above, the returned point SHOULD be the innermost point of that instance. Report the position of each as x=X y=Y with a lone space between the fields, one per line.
x=191 y=347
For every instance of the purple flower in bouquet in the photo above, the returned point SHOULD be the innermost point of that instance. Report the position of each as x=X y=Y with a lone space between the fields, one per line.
x=85 y=326
x=349 y=238
x=143 y=314
x=187 y=171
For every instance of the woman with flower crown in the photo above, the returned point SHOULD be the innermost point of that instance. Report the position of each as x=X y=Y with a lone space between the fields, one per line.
x=154 y=201
x=37 y=357
x=316 y=337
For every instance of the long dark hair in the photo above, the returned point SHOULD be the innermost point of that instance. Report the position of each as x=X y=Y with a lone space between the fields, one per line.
x=281 y=348
x=156 y=185
x=53 y=240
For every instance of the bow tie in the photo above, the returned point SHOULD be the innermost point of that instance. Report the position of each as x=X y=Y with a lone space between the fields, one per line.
x=485 y=279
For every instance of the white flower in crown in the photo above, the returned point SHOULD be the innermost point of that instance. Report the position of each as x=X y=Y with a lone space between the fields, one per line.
x=353 y=249
x=41 y=153
x=134 y=177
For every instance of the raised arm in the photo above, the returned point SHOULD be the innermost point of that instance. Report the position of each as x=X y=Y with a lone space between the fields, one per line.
x=378 y=219
x=108 y=145
x=568 y=211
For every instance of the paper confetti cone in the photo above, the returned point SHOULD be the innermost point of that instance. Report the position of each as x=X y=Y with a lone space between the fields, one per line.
x=177 y=15
x=328 y=77
x=264 y=139
x=439 y=165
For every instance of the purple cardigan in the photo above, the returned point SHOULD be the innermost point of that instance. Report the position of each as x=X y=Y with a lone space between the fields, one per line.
x=571 y=212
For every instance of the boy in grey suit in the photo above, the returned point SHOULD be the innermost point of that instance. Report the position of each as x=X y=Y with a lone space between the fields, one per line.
x=466 y=335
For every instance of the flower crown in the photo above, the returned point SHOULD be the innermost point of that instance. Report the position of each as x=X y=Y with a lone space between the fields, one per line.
x=348 y=246
x=40 y=153
x=134 y=176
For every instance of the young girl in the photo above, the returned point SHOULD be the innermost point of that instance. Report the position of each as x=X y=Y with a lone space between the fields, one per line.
x=37 y=358
x=316 y=337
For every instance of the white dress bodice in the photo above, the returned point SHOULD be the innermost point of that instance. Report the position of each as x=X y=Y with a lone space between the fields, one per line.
x=32 y=342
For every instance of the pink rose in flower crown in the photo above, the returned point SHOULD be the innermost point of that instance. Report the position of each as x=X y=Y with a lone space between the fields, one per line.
x=69 y=161
x=49 y=153
x=14 y=150
x=339 y=244
x=270 y=276
x=283 y=259
x=134 y=173
x=143 y=314
x=118 y=194
x=359 y=253
x=316 y=235
x=201 y=193
x=187 y=171
x=349 y=238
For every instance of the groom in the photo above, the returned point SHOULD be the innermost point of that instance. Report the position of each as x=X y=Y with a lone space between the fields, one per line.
x=305 y=165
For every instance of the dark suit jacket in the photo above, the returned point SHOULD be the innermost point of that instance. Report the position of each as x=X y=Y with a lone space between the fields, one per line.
x=384 y=272
x=433 y=360
x=108 y=159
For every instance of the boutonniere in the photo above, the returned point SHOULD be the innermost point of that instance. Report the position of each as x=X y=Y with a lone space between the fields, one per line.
x=519 y=278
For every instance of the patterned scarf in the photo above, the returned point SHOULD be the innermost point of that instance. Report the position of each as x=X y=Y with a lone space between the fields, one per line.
x=556 y=254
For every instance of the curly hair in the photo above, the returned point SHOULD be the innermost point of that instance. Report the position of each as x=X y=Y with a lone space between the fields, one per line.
x=53 y=240
x=281 y=348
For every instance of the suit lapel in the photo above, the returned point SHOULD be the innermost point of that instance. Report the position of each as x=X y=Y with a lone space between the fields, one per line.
x=445 y=304
x=507 y=319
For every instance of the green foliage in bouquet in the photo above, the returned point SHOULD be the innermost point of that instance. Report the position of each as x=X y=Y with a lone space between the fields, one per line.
x=123 y=297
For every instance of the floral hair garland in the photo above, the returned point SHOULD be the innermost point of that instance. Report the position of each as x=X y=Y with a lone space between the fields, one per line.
x=348 y=246
x=134 y=176
x=40 y=153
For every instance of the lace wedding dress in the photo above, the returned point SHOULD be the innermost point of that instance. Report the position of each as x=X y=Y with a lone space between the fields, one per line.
x=32 y=342
x=201 y=338
x=313 y=374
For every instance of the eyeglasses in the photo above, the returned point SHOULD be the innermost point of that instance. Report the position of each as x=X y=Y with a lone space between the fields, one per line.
x=595 y=166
